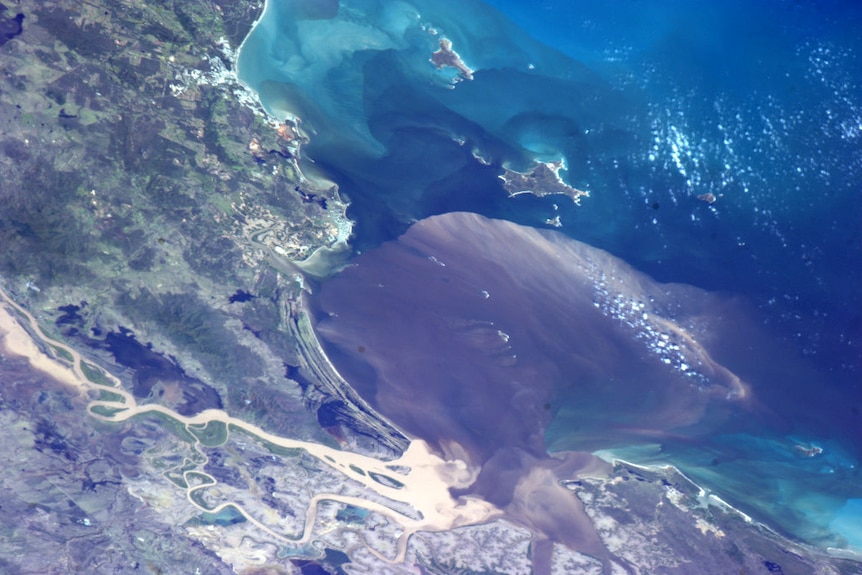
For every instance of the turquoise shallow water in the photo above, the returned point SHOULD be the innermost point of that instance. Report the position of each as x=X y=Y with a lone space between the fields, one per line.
x=650 y=105
x=773 y=479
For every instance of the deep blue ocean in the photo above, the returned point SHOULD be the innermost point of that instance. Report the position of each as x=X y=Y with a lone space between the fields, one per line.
x=654 y=107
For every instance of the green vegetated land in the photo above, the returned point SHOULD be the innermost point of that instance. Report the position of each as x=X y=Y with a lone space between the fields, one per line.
x=106 y=411
x=129 y=183
x=130 y=190
x=268 y=445
x=211 y=434
x=95 y=375
x=62 y=353
x=105 y=395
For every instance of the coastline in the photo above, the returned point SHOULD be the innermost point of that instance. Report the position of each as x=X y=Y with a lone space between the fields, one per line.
x=235 y=61
x=280 y=302
x=707 y=498
x=324 y=259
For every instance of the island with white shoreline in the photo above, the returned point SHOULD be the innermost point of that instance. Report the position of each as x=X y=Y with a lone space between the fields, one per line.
x=543 y=180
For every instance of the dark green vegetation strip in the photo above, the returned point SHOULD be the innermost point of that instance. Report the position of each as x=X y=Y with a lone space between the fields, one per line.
x=177 y=479
x=106 y=411
x=175 y=426
x=105 y=395
x=268 y=445
x=62 y=353
x=211 y=434
x=178 y=475
x=95 y=375
x=202 y=478
x=197 y=496
x=385 y=480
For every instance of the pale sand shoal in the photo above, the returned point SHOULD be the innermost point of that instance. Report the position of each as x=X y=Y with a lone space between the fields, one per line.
x=15 y=341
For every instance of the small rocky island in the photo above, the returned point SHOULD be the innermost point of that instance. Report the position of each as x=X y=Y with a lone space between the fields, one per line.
x=447 y=57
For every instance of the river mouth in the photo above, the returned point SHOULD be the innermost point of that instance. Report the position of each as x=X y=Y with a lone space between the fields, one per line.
x=506 y=343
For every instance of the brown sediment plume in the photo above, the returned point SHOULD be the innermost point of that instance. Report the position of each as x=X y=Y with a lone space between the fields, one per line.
x=521 y=315
x=480 y=334
x=531 y=492
x=447 y=57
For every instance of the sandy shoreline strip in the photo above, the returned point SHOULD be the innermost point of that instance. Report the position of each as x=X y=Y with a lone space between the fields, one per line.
x=254 y=25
